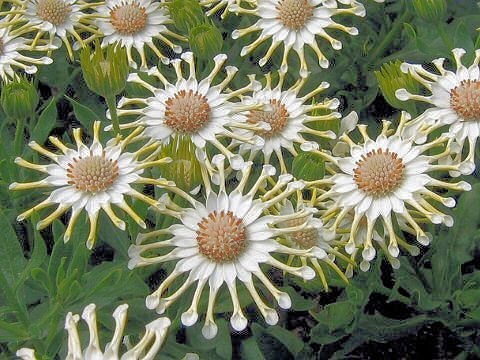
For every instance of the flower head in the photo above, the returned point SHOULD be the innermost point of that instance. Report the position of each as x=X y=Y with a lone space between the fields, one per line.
x=19 y=98
x=146 y=349
x=91 y=178
x=296 y=23
x=282 y=118
x=455 y=100
x=223 y=239
x=11 y=43
x=196 y=109
x=136 y=23
x=389 y=179
x=311 y=235
x=59 y=18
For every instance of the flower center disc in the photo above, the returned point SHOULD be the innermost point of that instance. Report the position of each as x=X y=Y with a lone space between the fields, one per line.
x=294 y=13
x=304 y=239
x=93 y=173
x=379 y=172
x=221 y=237
x=277 y=118
x=53 y=11
x=465 y=100
x=128 y=19
x=187 y=112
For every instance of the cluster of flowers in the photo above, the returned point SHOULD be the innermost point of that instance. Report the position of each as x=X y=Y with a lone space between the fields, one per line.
x=239 y=214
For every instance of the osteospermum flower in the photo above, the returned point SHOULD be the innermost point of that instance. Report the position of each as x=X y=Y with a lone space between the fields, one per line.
x=312 y=235
x=11 y=45
x=195 y=109
x=455 y=97
x=91 y=178
x=58 y=18
x=224 y=239
x=388 y=178
x=287 y=116
x=296 y=23
x=136 y=23
x=379 y=237
x=146 y=349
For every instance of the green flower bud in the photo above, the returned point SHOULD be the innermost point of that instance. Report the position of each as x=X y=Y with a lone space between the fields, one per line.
x=430 y=10
x=390 y=79
x=308 y=166
x=105 y=75
x=184 y=170
x=19 y=99
x=186 y=14
x=205 y=40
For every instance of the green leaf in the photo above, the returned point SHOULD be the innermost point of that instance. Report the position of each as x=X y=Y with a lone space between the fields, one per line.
x=46 y=122
x=83 y=114
x=336 y=315
x=299 y=303
x=287 y=338
x=250 y=350
x=464 y=40
x=455 y=247
x=12 y=261
x=269 y=345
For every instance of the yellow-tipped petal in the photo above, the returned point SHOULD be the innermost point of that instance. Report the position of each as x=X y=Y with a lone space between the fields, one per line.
x=125 y=207
x=119 y=223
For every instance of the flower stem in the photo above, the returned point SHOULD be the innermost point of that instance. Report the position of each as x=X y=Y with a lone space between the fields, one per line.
x=387 y=40
x=20 y=125
x=112 y=106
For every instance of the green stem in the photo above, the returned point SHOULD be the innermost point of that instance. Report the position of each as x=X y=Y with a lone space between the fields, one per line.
x=388 y=39
x=447 y=40
x=19 y=136
x=112 y=106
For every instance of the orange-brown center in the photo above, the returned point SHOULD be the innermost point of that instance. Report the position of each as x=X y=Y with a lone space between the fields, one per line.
x=221 y=237
x=187 y=112
x=92 y=173
x=128 y=19
x=294 y=13
x=379 y=172
x=277 y=118
x=465 y=100
x=53 y=11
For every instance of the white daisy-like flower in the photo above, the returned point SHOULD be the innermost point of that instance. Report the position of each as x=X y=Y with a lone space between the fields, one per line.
x=296 y=23
x=455 y=97
x=146 y=349
x=282 y=119
x=58 y=18
x=195 y=109
x=312 y=235
x=379 y=237
x=92 y=178
x=223 y=240
x=136 y=23
x=11 y=45
x=388 y=178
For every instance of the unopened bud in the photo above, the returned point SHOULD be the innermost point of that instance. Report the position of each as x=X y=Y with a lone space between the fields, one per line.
x=430 y=10
x=205 y=40
x=105 y=73
x=390 y=79
x=19 y=98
